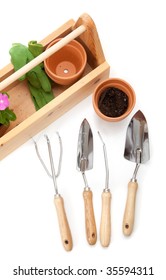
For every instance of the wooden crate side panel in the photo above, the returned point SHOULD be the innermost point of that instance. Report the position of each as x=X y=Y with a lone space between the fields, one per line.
x=53 y=110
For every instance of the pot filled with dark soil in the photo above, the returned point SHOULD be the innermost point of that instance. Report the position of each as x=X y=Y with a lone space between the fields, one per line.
x=113 y=99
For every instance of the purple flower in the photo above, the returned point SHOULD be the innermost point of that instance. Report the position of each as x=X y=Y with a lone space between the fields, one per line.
x=4 y=101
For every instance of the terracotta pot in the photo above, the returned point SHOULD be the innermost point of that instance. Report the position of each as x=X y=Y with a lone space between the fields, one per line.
x=66 y=65
x=3 y=129
x=121 y=85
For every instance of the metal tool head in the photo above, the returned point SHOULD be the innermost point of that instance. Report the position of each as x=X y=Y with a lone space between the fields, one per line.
x=85 y=147
x=53 y=174
x=137 y=139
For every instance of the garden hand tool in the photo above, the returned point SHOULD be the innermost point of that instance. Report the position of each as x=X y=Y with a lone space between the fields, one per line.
x=136 y=150
x=105 y=224
x=85 y=162
x=58 y=200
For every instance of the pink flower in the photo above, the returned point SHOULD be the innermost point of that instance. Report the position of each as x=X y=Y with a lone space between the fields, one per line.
x=4 y=101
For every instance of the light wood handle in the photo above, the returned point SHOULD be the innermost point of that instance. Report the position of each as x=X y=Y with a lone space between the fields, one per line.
x=90 y=223
x=128 y=220
x=29 y=66
x=63 y=223
x=105 y=225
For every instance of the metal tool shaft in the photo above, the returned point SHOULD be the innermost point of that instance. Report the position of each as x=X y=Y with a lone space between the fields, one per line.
x=52 y=165
x=106 y=164
x=85 y=181
x=138 y=162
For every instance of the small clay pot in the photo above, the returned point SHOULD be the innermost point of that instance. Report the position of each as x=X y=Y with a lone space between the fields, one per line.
x=67 y=64
x=119 y=85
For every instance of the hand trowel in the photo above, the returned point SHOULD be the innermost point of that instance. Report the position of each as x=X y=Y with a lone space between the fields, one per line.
x=136 y=150
x=85 y=162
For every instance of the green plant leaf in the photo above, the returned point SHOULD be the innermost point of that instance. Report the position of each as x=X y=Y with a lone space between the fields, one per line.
x=9 y=115
x=1 y=117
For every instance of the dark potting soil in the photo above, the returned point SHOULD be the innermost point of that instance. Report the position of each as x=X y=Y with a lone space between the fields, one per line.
x=113 y=102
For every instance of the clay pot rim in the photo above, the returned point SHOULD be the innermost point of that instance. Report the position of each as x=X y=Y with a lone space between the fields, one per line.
x=118 y=83
x=79 y=48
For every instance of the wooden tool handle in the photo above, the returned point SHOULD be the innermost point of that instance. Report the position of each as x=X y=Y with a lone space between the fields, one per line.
x=90 y=223
x=63 y=223
x=128 y=220
x=29 y=66
x=105 y=225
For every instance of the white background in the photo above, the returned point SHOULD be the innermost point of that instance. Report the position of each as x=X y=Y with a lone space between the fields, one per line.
x=132 y=34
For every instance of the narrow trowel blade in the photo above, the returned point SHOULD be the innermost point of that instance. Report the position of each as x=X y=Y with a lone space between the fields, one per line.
x=137 y=139
x=85 y=147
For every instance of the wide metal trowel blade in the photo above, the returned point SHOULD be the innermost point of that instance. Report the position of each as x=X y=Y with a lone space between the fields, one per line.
x=137 y=139
x=85 y=147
